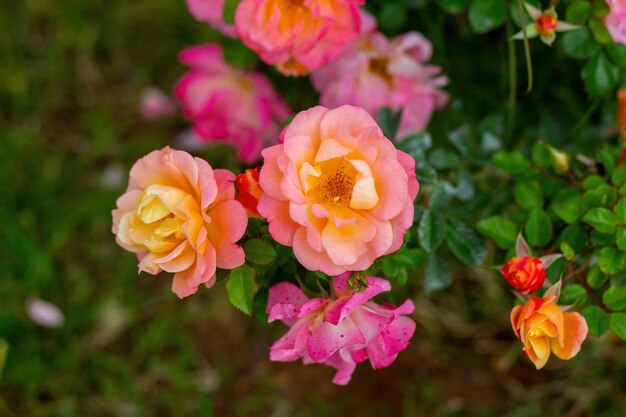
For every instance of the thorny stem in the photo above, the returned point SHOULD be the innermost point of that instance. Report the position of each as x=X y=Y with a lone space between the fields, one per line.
x=575 y=272
x=592 y=294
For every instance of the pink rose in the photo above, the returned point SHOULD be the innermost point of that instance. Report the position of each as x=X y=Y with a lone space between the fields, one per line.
x=340 y=332
x=211 y=12
x=298 y=35
x=376 y=72
x=154 y=104
x=228 y=104
x=180 y=216
x=337 y=190
x=616 y=20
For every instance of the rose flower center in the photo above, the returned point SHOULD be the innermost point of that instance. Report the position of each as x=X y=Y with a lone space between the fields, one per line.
x=378 y=66
x=546 y=25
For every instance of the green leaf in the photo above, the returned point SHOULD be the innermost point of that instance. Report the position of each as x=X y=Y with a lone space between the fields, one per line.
x=528 y=194
x=465 y=185
x=541 y=155
x=440 y=196
x=611 y=260
x=618 y=324
x=619 y=175
x=597 y=320
x=602 y=239
x=620 y=211
x=575 y=236
x=573 y=294
x=454 y=6
x=538 y=227
x=392 y=16
x=593 y=181
x=601 y=219
x=426 y=173
x=465 y=243
x=567 y=250
x=443 y=159
x=512 y=162
x=615 y=298
x=596 y=197
x=389 y=122
x=578 y=12
x=416 y=144
x=620 y=238
x=410 y=258
x=600 y=32
x=617 y=53
x=600 y=75
x=437 y=275
x=502 y=231
x=486 y=15
x=579 y=44
x=431 y=230
x=599 y=8
x=241 y=288
x=568 y=208
x=259 y=251
x=595 y=277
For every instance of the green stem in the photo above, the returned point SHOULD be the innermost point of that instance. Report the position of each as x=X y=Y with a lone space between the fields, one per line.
x=512 y=82
x=529 y=62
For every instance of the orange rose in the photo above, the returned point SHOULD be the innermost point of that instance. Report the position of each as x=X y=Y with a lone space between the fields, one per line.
x=524 y=274
x=543 y=327
x=249 y=191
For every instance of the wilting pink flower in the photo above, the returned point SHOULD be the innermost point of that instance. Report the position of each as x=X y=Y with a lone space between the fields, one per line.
x=616 y=20
x=44 y=313
x=337 y=190
x=180 y=216
x=298 y=35
x=377 y=72
x=340 y=332
x=154 y=104
x=228 y=104
x=211 y=12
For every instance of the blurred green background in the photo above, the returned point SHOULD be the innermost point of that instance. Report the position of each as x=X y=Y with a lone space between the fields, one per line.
x=71 y=74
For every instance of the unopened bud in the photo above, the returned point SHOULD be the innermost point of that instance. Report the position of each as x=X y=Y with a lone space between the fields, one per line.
x=560 y=159
x=249 y=191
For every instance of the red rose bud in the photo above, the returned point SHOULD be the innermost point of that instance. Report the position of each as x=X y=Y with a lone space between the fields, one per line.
x=524 y=274
x=546 y=25
x=249 y=191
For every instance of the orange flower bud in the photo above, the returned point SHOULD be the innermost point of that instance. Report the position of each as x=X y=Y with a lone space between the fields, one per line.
x=249 y=191
x=544 y=328
x=524 y=274
x=546 y=25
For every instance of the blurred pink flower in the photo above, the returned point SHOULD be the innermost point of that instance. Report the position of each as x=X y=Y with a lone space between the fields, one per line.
x=337 y=190
x=155 y=103
x=179 y=215
x=616 y=20
x=44 y=313
x=340 y=332
x=211 y=12
x=377 y=72
x=228 y=104
x=298 y=35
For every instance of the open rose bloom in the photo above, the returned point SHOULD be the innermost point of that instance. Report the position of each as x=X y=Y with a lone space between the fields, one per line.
x=298 y=35
x=544 y=328
x=337 y=190
x=616 y=20
x=340 y=332
x=180 y=216
x=211 y=12
x=228 y=104
x=377 y=72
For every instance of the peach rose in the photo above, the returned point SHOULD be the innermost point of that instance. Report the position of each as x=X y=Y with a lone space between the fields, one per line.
x=524 y=274
x=337 y=190
x=179 y=215
x=543 y=327
x=298 y=35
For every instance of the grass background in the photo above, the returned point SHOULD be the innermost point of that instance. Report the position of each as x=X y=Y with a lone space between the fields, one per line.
x=71 y=73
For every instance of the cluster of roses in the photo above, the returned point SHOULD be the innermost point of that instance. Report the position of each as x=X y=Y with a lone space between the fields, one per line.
x=350 y=62
x=335 y=189
x=541 y=325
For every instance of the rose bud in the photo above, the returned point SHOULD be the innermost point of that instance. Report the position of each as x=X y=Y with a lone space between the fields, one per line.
x=249 y=191
x=524 y=274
